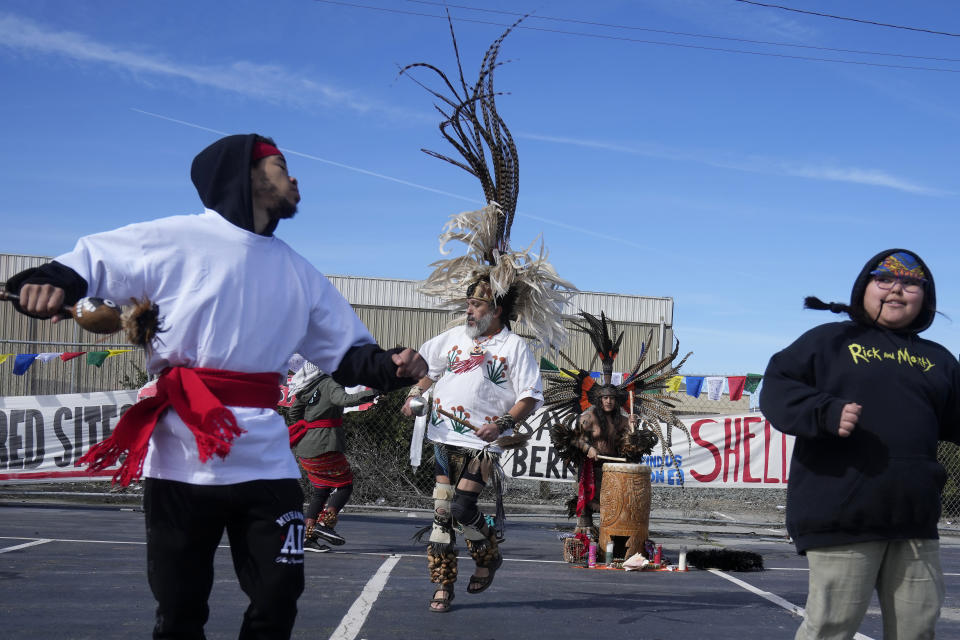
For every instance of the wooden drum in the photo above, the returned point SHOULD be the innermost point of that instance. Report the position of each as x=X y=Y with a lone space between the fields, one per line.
x=624 y=508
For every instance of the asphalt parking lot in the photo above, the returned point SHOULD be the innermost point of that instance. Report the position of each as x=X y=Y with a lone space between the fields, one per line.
x=79 y=572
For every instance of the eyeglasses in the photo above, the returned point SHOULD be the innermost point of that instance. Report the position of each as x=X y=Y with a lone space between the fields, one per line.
x=909 y=285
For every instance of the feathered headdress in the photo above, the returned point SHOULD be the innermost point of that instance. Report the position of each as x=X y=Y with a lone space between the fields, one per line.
x=570 y=392
x=524 y=282
x=599 y=331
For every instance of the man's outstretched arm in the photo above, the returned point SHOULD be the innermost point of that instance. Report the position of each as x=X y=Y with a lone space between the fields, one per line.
x=381 y=369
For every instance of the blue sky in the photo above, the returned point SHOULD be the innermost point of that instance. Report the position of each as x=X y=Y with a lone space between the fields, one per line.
x=652 y=163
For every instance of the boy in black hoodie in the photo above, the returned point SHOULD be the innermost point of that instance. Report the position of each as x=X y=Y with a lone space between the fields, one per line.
x=868 y=400
x=237 y=302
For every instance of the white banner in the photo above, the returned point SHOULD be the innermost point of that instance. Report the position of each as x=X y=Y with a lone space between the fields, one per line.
x=41 y=437
x=742 y=451
x=538 y=460
x=734 y=451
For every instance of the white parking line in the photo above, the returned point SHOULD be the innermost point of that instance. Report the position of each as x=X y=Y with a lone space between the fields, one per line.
x=25 y=545
x=352 y=622
x=772 y=597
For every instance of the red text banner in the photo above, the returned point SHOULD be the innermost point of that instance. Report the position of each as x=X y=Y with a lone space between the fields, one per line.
x=742 y=451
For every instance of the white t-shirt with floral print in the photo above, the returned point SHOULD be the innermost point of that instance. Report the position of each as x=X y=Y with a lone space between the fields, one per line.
x=507 y=373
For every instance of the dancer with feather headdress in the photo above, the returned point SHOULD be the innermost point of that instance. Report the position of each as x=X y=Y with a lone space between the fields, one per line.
x=587 y=420
x=485 y=379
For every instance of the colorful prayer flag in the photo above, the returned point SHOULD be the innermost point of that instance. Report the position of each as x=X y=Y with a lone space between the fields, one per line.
x=96 y=358
x=714 y=387
x=47 y=356
x=23 y=362
x=546 y=365
x=673 y=384
x=694 y=383
x=736 y=384
x=5 y=356
x=753 y=381
x=70 y=355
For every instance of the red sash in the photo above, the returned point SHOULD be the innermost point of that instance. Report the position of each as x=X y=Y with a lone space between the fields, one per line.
x=198 y=396
x=586 y=488
x=330 y=469
x=299 y=429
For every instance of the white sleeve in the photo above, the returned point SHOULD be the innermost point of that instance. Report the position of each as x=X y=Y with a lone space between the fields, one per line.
x=432 y=354
x=112 y=263
x=333 y=327
x=526 y=379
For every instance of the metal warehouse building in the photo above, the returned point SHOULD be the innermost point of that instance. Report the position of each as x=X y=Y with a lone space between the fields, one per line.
x=394 y=310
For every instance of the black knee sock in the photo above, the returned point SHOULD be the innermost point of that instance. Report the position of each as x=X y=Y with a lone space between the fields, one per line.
x=339 y=497
x=317 y=502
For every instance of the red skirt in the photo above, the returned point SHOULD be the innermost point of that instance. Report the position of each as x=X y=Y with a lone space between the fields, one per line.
x=328 y=470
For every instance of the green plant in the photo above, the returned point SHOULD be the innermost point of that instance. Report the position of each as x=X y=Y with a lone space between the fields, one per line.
x=135 y=381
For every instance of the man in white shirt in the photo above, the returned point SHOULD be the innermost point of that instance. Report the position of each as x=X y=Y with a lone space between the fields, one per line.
x=236 y=302
x=485 y=376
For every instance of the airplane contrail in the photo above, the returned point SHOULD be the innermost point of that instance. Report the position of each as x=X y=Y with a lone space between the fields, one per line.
x=562 y=225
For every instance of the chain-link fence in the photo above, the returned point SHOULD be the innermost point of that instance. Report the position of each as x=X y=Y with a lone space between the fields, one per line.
x=949 y=456
x=378 y=447
x=379 y=452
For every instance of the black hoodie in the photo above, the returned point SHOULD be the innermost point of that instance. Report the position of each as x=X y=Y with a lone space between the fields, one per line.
x=221 y=174
x=882 y=482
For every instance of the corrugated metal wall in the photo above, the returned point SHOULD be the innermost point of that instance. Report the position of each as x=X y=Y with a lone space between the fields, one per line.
x=386 y=292
x=398 y=314
x=394 y=311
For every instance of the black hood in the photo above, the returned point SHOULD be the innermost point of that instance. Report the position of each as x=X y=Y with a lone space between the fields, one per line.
x=922 y=322
x=221 y=174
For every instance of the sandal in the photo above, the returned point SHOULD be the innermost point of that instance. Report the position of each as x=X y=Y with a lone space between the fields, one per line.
x=485 y=581
x=443 y=603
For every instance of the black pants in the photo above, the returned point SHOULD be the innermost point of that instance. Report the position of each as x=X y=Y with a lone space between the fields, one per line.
x=328 y=497
x=264 y=524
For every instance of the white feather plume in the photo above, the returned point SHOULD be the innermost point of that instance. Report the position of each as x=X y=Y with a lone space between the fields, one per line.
x=540 y=292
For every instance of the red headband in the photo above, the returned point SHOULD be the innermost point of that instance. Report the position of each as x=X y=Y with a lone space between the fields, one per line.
x=262 y=150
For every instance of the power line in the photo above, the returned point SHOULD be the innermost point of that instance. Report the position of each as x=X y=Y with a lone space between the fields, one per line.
x=828 y=15
x=681 y=33
x=642 y=41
